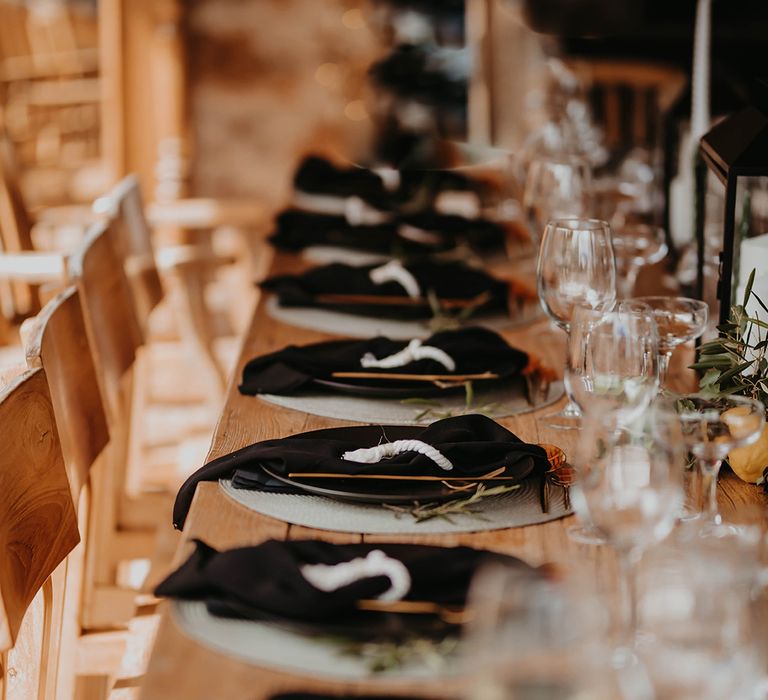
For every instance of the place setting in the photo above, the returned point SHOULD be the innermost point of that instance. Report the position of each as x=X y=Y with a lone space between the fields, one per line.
x=362 y=215
x=399 y=300
x=460 y=474
x=379 y=380
x=377 y=612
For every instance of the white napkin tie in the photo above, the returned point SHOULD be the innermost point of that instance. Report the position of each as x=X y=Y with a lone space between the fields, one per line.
x=393 y=271
x=331 y=577
x=410 y=353
x=371 y=455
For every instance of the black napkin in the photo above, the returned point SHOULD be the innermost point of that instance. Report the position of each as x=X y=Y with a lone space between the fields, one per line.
x=447 y=280
x=319 y=176
x=475 y=350
x=435 y=233
x=407 y=71
x=265 y=581
x=474 y=444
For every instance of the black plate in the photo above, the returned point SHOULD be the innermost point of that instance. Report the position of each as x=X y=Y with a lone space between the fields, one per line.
x=390 y=389
x=372 y=490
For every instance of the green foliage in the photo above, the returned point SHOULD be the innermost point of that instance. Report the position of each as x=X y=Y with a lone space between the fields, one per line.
x=735 y=362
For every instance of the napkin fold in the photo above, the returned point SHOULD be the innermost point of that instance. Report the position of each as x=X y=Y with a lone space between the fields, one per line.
x=474 y=445
x=416 y=234
x=474 y=350
x=316 y=175
x=267 y=581
x=414 y=187
x=450 y=280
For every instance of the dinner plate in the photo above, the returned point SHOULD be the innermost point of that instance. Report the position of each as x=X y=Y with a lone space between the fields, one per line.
x=403 y=389
x=384 y=491
x=372 y=490
x=360 y=625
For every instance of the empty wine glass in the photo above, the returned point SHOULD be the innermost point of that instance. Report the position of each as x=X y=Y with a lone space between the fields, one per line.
x=555 y=188
x=636 y=245
x=575 y=267
x=613 y=358
x=612 y=365
x=679 y=320
x=695 y=598
x=711 y=428
x=630 y=486
x=517 y=644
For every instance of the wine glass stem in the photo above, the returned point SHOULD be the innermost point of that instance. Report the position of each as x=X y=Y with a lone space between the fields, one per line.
x=710 y=468
x=571 y=409
x=628 y=561
x=664 y=367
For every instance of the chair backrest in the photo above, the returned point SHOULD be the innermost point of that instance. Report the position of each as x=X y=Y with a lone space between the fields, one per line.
x=58 y=342
x=133 y=242
x=38 y=523
x=110 y=318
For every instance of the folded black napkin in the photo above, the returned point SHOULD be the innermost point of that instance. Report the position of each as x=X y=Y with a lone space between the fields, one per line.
x=415 y=186
x=266 y=581
x=448 y=281
x=412 y=71
x=416 y=234
x=473 y=444
x=474 y=350
x=318 y=176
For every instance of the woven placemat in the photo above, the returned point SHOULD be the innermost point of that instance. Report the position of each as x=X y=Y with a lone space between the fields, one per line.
x=353 y=326
x=263 y=644
x=514 y=509
x=496 y=402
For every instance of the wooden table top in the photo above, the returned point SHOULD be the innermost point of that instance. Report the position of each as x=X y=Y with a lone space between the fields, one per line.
x=179 y=667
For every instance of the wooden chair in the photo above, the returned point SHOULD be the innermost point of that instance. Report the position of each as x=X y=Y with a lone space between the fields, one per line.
x=58 y=342
x=114 y=334
x=38 y=529
x=630 y=98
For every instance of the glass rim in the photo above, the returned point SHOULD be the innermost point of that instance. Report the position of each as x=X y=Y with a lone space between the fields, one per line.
x=645 y=299
x=583 y=223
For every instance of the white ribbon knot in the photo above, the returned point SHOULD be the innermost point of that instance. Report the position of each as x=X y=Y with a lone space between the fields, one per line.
x=331 y=577
x=410 y=353
x=371 y=455
x=393 y=271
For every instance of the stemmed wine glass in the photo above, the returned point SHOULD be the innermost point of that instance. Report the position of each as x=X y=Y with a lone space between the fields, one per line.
x=516 y=644
x=636 y=245
x=630 y=487
x=555 y=188
x=679 y=320
x=575 y=267
x=711 y=428
x=612 y=365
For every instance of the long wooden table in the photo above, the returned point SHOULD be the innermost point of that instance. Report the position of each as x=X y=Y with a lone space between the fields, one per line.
x=181 y=668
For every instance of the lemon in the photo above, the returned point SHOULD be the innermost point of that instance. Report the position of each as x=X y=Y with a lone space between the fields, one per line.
x=749 y=462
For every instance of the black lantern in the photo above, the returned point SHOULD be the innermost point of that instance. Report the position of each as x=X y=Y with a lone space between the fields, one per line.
x=732 y=225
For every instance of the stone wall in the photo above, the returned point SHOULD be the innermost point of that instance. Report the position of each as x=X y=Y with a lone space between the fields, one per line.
x=269 y=81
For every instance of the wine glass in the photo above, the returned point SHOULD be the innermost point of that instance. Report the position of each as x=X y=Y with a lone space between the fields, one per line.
x=613 y=358
x=679 y=320
x=695 y=602
x=630 y=486
x=555 y=188
x=613 y=365
x=712 y=427
x=517 y=644
x=636 y=245
x=575 y=267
